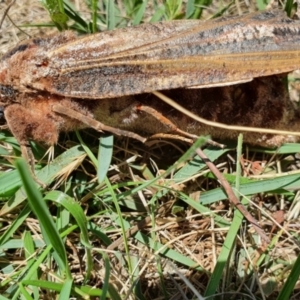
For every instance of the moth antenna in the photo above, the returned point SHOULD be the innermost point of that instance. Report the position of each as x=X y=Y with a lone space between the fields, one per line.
x=222 y=125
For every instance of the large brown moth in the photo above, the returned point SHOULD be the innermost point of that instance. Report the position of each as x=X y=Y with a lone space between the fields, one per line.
x=228 y=70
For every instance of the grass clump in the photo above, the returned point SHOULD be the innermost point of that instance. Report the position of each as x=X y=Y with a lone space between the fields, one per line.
x=121 y=220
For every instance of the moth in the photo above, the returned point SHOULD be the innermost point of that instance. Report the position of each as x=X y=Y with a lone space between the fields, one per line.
x=227 y=70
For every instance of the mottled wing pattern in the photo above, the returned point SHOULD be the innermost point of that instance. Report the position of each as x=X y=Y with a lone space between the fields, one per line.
x=176 y=54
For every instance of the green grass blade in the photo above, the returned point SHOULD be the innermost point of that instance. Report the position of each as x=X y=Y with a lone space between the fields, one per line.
x=57 y=13
x=290 y=6
x=214 y=281
x=94 y=8
x=87 y=149
x=291 y=281
x=76 y=211
x=66 y=290
x=105 y=153
x=80 y=24
x=140 y=13
x=224 y=256
x=25 y=294
x=190 y=8
x=196 y=164
x=15 y=225
x=10 y=182
x=47 y=175
x=40 y=209
x=277 y=183
x=82 y=291
x=29 y=249
x=158 y=15
x=106 y=277
x=122 y=223
x=51 y=285
x=284 y=149
x=111 y=19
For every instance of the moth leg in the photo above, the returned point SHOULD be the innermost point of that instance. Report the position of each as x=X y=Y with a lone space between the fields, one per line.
x=171 y=137
x=17 y=121
x=71 y=113
x=165 y=121
x=27 y=154
x=181 y=135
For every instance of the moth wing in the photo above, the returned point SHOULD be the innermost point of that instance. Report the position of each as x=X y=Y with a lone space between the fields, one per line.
x=176 y=54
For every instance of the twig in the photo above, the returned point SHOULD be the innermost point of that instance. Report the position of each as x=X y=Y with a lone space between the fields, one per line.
x=6 y=11
x=231 y=196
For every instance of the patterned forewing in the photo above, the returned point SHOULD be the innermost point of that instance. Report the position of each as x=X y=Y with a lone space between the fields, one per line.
x=177 y=54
